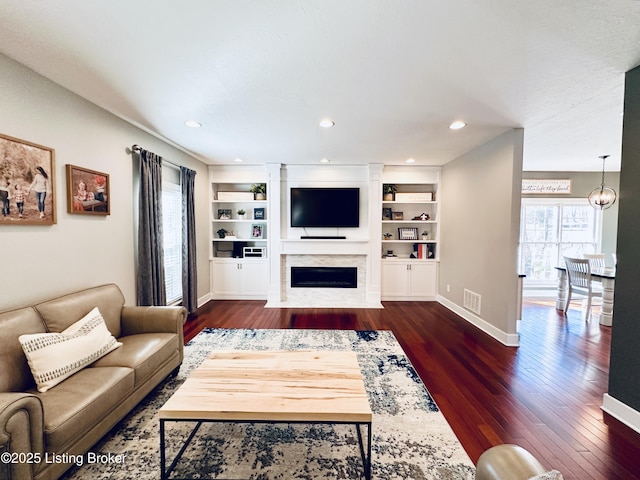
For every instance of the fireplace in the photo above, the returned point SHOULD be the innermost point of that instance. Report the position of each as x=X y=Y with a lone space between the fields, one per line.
x=324 y=277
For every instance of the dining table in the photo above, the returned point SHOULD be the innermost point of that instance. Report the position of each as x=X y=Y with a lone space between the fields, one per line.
x=606 y=276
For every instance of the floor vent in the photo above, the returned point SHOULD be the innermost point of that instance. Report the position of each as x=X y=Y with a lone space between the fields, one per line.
x=472 y=301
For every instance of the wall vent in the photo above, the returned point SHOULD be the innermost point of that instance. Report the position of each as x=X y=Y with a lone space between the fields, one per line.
x=472 y=301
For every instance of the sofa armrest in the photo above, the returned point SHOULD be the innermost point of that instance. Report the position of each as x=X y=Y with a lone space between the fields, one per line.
x=21 y=432
x=508 y=462
x=137 y=320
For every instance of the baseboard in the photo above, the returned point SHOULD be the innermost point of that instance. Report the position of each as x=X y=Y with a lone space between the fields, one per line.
x=204 y=299
x=510 y=340
x=621 y=411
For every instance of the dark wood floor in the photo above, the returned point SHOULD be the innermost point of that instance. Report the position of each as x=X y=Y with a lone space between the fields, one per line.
x=544 y=395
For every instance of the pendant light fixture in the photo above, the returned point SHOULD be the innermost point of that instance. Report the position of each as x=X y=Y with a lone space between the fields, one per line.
x=602 y=197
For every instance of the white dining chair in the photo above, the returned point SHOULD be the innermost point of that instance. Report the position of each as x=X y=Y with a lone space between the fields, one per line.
x=579 y=282
x=596 y=260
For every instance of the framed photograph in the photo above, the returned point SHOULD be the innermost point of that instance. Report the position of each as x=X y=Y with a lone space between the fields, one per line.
x=386 y=213
x=27 y=183
x=258 y=213
x=257 y=230
x=87 y=191
x=397 y=216
x=408 y=233
x=224 y=214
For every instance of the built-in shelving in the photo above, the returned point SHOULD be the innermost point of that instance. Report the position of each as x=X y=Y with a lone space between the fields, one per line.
x=411 y=222
x=239 y=259
x=410 y=259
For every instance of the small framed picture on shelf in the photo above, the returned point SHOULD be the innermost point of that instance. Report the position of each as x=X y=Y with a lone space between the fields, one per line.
x=257 y=230
x=258 y=213
x=386 y=214
x=224 y=214
x=397 y=216
x=408 y=233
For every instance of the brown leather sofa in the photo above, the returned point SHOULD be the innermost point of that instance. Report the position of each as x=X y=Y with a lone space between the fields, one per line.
x=71 y=417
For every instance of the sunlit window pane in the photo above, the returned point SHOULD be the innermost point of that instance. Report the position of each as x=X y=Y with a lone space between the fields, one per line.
x=172 y=240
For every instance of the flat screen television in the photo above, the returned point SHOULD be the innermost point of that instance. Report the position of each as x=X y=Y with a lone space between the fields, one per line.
x=325 y=207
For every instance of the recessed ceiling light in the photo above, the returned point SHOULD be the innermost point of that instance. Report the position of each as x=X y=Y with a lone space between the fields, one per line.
x=326 y=123
x=325 y=160
x=410 y=160
x=457 y=125
x=238 y=160
x=192 y=124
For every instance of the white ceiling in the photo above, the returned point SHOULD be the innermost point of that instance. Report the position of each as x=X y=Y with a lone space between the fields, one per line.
x=392 y=74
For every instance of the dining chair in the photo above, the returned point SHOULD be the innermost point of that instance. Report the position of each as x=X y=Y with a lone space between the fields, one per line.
x=579 y=282
x=596 y=260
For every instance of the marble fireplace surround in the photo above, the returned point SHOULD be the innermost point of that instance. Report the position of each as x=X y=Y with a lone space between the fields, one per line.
x=323 y=297
x=323 y=253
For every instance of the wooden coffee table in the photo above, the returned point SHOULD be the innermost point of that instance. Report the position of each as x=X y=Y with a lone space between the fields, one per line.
x=271 y=387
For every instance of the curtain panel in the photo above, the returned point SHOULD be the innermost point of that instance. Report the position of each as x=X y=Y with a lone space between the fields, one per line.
x=150 y=281
x=189 y=265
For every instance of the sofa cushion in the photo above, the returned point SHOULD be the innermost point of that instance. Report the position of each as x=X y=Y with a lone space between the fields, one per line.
x=144 y=352
x=80 y=402
x=61 y=312
x=15 y=375
x=53 y=357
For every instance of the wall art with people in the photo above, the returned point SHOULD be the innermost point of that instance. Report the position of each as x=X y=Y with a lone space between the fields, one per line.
x=27 y=185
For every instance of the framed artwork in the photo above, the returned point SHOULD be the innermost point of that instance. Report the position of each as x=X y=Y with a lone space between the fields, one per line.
x=397 y=216
x=258 y=213
x=224 y=214
x=27 y=183
x=386 y=213
x=257 y=230
x=87 y=191
x=408 y=233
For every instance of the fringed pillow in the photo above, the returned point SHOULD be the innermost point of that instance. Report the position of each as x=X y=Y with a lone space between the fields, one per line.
x=53 y=357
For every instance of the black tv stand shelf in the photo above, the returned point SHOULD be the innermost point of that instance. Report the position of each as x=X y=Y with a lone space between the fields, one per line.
x=323 y=237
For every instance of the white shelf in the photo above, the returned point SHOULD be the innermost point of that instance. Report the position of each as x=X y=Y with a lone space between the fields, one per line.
x=240 y=201
x=408 y=241
x=416 y=222
x=234 y=220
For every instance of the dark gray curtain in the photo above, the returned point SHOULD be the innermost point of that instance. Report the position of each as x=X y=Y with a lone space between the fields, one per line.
x=189 y=267
x=151 y=287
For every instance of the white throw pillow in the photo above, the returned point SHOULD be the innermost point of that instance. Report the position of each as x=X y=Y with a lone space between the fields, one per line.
x=53 y=357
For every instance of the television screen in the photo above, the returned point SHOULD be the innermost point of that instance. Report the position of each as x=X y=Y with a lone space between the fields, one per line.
x=325 y=207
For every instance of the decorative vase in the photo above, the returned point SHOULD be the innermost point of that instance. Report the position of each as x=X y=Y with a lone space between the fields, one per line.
x=261 y=196
x=387 y=197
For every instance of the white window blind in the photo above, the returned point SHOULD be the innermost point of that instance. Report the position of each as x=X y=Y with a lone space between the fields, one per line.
x=172 y=240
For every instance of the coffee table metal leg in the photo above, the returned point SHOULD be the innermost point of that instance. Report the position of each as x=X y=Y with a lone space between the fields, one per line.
x=162 y=453
x=164 y=475
x=366 y=457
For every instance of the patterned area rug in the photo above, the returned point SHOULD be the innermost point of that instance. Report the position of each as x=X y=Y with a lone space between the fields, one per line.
x=411 y=438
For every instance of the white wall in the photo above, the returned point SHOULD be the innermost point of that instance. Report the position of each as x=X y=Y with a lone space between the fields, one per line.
x=40 y=262
x=480 y=220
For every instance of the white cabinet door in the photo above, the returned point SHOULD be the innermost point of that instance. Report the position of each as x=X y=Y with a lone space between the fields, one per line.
x=409 y=280
x=395 y=279
x=225 y=279
x=422 y=279
x=239 y=279
x=254 y=278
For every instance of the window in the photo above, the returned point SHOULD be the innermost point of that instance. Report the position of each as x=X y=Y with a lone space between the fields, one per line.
x=172 y=240
x=551 y=229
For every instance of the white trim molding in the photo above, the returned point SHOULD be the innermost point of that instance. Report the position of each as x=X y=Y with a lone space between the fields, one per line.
x=509 y=340
x=621 y=411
